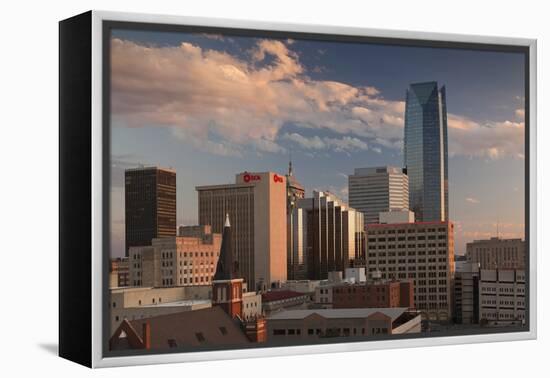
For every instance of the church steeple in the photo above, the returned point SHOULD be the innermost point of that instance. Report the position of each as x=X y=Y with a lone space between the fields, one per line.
x=227 y=288
x=226 y=268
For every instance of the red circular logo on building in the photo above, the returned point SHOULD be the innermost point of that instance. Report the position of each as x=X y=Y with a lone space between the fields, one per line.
x=277 y=178
x=246 y=178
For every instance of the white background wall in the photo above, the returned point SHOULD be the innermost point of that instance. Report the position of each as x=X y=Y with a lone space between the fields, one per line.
x=28 y=210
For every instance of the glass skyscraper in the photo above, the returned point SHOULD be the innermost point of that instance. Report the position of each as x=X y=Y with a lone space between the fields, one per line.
x=425 y=151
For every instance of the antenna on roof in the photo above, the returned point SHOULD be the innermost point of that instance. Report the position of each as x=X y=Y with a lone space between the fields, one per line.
x=290 y=162
x=182 y=207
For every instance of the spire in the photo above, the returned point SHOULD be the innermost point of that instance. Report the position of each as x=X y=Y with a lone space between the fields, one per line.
x=227 y=267
x=290 y=163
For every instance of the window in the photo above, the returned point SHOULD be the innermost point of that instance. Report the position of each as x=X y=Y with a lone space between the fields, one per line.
x=223 y=330
x=172 y=343
x=200 y=337
x=279 y=332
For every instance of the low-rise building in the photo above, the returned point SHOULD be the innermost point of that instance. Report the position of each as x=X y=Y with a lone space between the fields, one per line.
x=228 y=322
x=283 y=299
x=301 y=286
x=371 y=294
x=501 y=297
x=201 y=328
x=133 y=303
x=298 y=325
x=186 y=260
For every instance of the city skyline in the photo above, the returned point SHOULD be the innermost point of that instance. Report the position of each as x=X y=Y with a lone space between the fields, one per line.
x=314 y=101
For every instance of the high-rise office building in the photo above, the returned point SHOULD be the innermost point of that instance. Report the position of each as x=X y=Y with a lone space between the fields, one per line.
x=378 y=189
x=294 y=192
x=256 y=205
x=150 y=205
x=422 y=252
x=425 y=151
x=328 y=235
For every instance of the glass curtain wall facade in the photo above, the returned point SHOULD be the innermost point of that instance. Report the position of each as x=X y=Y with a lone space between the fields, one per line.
x=425 y=151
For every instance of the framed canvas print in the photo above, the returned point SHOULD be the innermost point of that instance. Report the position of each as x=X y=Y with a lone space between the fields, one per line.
x=231 y=189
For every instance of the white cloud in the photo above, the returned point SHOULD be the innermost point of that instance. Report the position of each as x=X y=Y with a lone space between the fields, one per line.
x=520 y=113
x=472 y=200
x=492 y=140
x=226 y=104
x=345 y=144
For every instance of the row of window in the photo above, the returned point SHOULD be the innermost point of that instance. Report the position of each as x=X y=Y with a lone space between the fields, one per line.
x=410 y=238
x=408 y=267
x=442 y=252
x=410 y=231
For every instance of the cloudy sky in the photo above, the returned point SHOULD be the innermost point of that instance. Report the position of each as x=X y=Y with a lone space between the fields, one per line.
x=211 y=106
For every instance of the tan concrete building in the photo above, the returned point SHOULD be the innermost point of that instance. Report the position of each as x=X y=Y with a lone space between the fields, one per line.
x=422 y=252
x=502 y=297
x=256 y=205
x=119 y=272
x=186 y=260
x=299 y=325
x=497 y=253
x=145 y=302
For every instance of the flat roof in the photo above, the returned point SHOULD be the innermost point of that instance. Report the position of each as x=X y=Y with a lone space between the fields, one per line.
x=382 y=225
x=223 y=186
x=122 y=289
x=149 y=168
x=182 y=303
x=393 y=313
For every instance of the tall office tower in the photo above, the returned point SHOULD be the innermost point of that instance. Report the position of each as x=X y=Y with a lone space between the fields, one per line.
x=378 y=189
x=294 y=192
x=329 y=234
x=423 y=252
x=256 y=205
x=497 y=253
x=425 y=151
x=150 y=205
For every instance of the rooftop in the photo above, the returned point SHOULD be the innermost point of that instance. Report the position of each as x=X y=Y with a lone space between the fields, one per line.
x=150 y=168
x=278 y=295
x=205 y=327
x=182 y=303
x=342 y=313
x=389 y=225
